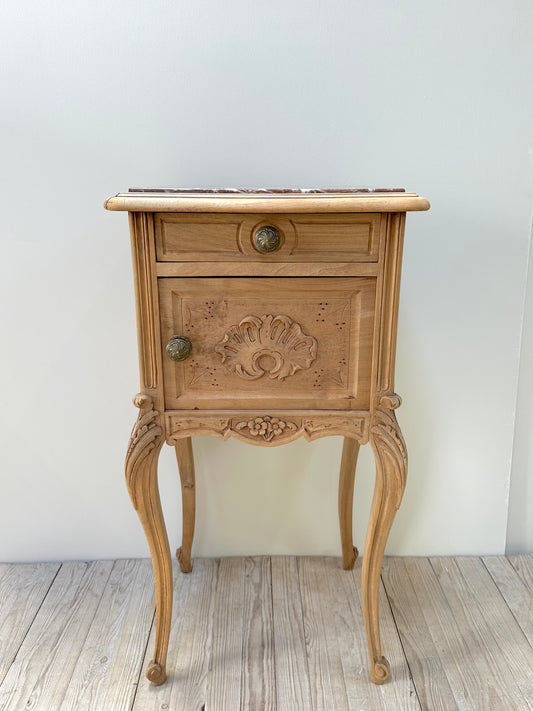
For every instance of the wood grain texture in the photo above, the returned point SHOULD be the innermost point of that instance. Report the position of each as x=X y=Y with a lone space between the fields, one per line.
x=262 y=269
x=456 y=642
x=478 y=605
x=44 y=664
x=391 y=471
x=523 y=564
x=258 y=685
x=197 y=237
x=350 y=451
x=426 y=663
x=242 y=424
x=226 y=666
x=22 y=591
x=461 y=624
x=475 y=667
x=337 y=313
x=346 y=604
x=297 y=340
x=514 y=578
x=184 y=456
x=189 y=656
x=141 y=479
x=328 y=687
x=292 y=670
x=387 y=305
x=156 y=202
x=109 y=665
x=146 y=304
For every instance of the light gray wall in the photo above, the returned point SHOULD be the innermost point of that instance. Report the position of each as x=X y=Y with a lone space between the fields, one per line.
x=520 y=522
x=100 y=96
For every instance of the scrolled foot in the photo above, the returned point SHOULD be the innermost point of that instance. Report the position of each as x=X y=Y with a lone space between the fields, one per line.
x=184 y=561
x=349 y=564
x=380 y=672
x=156 y=673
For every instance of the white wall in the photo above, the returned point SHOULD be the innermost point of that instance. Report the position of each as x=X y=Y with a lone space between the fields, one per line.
x=520 y=522
x=100 y=96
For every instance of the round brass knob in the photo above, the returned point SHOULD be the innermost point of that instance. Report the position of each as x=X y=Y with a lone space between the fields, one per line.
x=179 y=348
x=267 y=239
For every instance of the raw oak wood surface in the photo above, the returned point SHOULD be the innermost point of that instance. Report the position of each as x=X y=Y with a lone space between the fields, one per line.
x=278 y=634
x=184 y=456
x=197 y=237
x=267 y=315
x=302 y=203
x=269 y=343
x=350 y=452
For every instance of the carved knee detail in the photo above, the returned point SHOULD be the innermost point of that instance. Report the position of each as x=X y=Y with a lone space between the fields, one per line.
x=389 y=444
x=145 y=441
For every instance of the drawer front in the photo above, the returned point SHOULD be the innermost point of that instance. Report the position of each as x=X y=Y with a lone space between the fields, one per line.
x=269 y=343
x=200 y=237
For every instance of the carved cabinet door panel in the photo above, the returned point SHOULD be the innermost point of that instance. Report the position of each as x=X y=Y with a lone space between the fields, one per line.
x=294 y=343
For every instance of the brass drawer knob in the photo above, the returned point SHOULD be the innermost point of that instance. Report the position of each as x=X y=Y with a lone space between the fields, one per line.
x=179 y=348
x=267 y=239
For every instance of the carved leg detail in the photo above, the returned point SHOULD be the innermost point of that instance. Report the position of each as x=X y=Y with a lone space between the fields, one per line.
x=141 y=477
x=391 y=471
x=350 y=451
x=185 y=459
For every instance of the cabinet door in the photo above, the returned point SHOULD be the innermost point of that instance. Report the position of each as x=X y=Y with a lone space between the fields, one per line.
x=284 y=343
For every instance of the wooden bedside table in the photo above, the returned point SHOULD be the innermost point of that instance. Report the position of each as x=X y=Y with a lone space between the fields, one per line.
x=267 y=315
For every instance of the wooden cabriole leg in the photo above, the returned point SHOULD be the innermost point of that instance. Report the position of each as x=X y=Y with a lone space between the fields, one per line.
x=391 y=472
x=185 y=459
x=141 y=477
x=350 y=451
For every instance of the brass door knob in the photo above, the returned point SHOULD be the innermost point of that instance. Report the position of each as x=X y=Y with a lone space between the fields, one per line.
x=267 y=239
x=179 y=348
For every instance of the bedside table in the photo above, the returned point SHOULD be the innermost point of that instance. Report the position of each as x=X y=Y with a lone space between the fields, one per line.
x=267 y=315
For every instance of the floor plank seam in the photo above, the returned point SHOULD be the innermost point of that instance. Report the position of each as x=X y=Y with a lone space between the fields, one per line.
x=303 y=623
x=241 y=696
x=272 y=637
x=402 y=646
x=345 y=686
x=464 y=616
x=503 y=688
x=142 y=663
x=505 y=601
x=89 y=624
x=32 y=621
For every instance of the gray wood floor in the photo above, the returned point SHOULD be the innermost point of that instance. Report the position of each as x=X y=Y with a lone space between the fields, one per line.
x=268 y=634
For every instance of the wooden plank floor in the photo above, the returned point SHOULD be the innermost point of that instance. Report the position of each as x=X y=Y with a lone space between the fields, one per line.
x=268 y=634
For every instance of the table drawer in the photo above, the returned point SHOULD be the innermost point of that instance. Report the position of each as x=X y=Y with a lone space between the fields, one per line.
x=260 y=343
x=199 y=237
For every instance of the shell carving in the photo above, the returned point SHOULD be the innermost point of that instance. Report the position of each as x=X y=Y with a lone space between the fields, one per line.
x=271 y=344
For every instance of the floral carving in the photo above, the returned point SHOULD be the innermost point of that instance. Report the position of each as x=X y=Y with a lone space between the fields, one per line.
x=249 y=348
x=266 y=427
